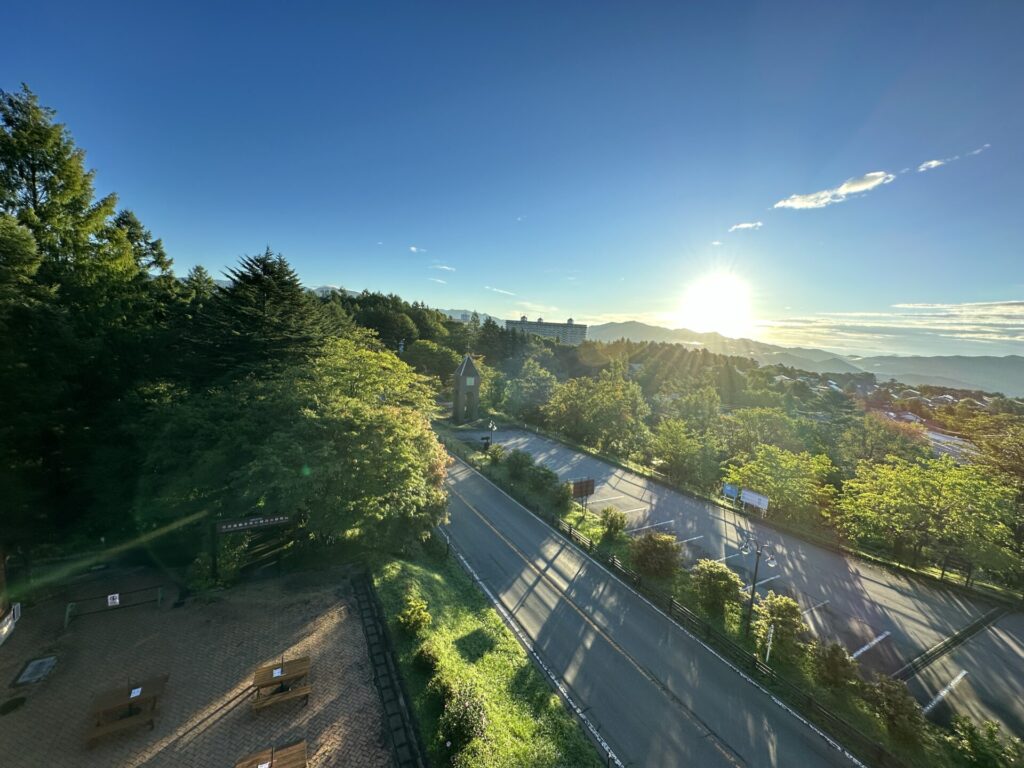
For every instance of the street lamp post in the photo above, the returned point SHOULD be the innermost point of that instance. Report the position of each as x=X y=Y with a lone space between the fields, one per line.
x=753 y=545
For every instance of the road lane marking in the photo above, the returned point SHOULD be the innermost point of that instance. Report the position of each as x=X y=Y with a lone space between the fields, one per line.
x=739 y=672
x=692 y=538
x=652 y=525
x=872 y=644
x=728 y=557
x=945 y=691
x=524 y=639
x=721 y=746
x=631 y=511
x=610 y=498
x=815 y=607
x=764 y=581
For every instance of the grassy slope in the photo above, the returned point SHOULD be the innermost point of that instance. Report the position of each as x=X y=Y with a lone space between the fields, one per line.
x=527 y=723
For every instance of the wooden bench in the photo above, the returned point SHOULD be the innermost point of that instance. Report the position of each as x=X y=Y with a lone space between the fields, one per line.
x=292 y=756
x=126 y=723
x=295 y=692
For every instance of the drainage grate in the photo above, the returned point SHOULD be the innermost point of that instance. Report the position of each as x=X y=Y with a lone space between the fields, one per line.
x=36 y=670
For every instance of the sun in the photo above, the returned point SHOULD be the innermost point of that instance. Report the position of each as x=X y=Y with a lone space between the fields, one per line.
x=718 y=301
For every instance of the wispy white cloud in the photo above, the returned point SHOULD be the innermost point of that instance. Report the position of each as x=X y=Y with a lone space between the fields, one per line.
x=928 y=165
x=442 y=267
x=716 y=242
x=499 y=290
x=979 y=150
x=747 y=225
x=532 y=306
x=854 y=186
x=437 y=280
x=417 y=249
x=908 y=328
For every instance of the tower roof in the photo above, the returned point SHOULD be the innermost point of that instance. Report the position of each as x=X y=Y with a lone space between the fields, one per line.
x=467 y=367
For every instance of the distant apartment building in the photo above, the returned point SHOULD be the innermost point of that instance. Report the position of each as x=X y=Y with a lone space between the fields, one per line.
x=567 y=333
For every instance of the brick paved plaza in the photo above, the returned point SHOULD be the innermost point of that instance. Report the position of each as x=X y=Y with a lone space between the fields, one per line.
x=209 y=647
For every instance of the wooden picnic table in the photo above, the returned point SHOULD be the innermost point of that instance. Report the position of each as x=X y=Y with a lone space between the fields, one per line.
x=280 y=681
x=292 y=756
x=126 y=707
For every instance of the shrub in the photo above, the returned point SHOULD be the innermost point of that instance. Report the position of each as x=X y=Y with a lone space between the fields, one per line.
x=518 y=464
x=656 y=554
x=782 y=613
x=613 y=521
x=441 y=686
x=982 y=746
x=496 y=453
x=716 y=586
x=415 y=617
x=897 y=709
x=426 y=658
x=833 y=666
x=542 y=478
x=464 y=717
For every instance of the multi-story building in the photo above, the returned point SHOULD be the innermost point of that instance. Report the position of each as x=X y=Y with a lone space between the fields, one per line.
x=567 y=333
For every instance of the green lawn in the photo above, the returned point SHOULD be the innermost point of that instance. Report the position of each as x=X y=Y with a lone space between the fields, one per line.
x=527 y=722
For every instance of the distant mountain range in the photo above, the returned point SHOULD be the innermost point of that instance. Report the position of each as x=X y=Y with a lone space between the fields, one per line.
x=990 y=374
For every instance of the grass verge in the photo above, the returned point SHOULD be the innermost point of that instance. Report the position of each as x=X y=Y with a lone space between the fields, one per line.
x=527 y=724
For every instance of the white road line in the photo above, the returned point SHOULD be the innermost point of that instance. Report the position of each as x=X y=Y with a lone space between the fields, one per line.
x=692 y=538
x=652 y=525
x=638 y=509
x=764 y=581
x=743 y=675
x=872 y=644
x=945 y=691
x=734 y=554
x=602 y=501
x=815 y=607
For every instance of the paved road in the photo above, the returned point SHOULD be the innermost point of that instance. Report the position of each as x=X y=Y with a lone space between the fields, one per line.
x=845 y=599
x=989 y=660
x=657 y=695
x=882 y=616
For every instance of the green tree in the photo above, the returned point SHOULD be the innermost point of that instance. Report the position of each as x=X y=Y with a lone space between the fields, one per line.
x=982 y=746
x=685 y=457
x=608 y=412
x=781 y=615
x=262 y=322
x=747 y=428
x=795 y=483
x=656 y=554
x=432 y=359
x=833 y=666
x=716 y=586
x=527 y=393
x=897 y=709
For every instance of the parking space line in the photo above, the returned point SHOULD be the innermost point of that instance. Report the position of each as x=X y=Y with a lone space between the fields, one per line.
x=945 y=691
x=602 y=501
x=692 y=538
x=815 y=607
x=638 y=509
x=652 y=525
x=734 y=554
x=870 y=645
x=764 y=581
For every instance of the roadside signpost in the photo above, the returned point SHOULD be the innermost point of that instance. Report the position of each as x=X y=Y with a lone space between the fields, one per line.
x=583 y=490
x=730 y=491
x=752 y=499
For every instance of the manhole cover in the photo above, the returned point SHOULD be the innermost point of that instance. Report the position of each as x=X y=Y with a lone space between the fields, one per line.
x=36 y=670
x=10 y=705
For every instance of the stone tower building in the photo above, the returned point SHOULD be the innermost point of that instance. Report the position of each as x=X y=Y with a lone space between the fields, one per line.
x=467 y=392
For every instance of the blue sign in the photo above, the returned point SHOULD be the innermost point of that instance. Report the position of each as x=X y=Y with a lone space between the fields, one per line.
x=731 y=491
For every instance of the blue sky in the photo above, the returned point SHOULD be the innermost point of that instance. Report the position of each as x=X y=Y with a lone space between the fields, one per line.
x=573 y=158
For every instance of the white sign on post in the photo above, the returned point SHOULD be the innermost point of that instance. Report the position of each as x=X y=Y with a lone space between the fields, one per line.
x=277 y=672
x=754 y=499
x=114 y=600
x=136 y=692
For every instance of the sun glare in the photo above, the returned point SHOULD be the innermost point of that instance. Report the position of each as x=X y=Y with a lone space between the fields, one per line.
x=719 y=301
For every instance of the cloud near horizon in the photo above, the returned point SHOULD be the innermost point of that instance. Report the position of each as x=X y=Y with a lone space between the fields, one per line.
x=442 y=267
x=989 y=327
x=746 y=225
x=854 y=186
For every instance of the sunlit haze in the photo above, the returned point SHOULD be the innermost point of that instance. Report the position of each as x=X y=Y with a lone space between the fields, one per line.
x=719 y=302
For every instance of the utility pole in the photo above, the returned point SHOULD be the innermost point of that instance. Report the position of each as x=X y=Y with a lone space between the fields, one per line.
x=753 y=545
